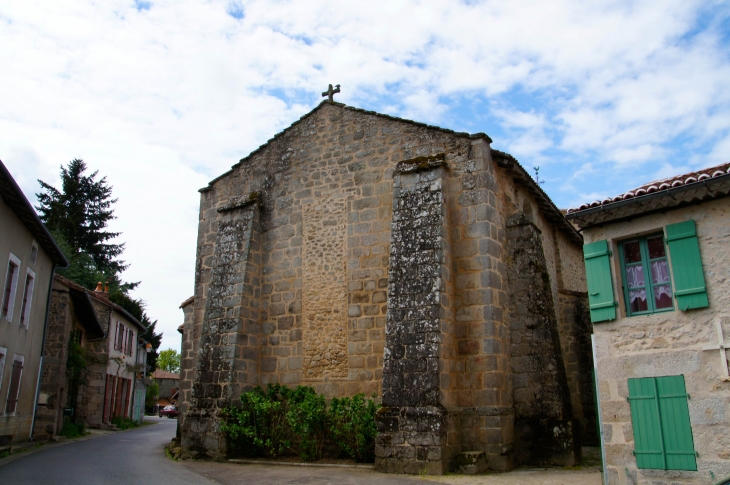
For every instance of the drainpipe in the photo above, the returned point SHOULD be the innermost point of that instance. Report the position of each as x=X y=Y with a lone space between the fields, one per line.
x=43 y=346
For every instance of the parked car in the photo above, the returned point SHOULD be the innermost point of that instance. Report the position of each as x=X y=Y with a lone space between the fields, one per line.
x=169 y=411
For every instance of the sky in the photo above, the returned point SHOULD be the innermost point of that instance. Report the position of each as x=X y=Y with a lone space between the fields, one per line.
x=162 y=96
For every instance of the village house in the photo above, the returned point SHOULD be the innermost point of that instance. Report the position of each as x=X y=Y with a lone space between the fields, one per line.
x=359 y=252
x=29 y=257
x=658 y=269
x=168 y=384
x=112 y=384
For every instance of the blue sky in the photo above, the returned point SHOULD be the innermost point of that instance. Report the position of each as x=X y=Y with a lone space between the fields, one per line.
x=162 y=96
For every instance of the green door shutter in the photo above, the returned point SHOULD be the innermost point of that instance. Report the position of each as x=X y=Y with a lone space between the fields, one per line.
x=660 y=418
x=676 y=429
x=600 y=283
x=689 y=281
x=648 y=446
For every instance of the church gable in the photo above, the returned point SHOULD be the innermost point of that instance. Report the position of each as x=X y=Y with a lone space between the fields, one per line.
x=357 y=252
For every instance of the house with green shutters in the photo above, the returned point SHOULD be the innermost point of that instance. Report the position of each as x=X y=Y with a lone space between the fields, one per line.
x=657 y=263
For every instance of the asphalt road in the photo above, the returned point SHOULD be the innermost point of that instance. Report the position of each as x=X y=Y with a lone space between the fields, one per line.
x=135 y=457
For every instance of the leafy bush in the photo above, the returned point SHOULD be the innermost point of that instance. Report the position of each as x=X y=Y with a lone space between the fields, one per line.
x=71 y=430
x=307 y=417
x=352 y=426
x=272 y=421
x=123 y=423
x=260 y=422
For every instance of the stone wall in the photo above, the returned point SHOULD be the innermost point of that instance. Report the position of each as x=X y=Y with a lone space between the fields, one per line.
x=228 y=361
x=419 y=339
x=327 y=189
x=545 y=433
x=666 y=344
x=54 y=382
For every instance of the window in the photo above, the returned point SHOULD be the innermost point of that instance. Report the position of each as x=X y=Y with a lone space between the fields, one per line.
x=11 y=283
x=3 y=353
x=119 y=337
x=660 y=419
x=14 y=388
x=649 y=280
x=646 y=284
x=27 y=297
x=130 y=340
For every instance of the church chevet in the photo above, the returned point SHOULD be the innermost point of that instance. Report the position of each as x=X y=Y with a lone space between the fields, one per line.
x=359 y=252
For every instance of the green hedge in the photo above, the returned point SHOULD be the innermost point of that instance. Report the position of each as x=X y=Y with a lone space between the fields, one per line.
x=278 y=420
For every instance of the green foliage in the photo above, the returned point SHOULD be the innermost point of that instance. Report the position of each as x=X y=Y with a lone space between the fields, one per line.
x=123 y=423
x=307 y=418
x=272 y=421
x=80 y=212
x=259 y=425
x=151 y=395
x=169 y=360
x=77 y=216
x=71 y=430
x=352 y=426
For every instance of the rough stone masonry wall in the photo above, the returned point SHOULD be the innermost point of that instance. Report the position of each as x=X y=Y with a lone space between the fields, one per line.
x=54 y=383
x=665 y=344
x=544 y=428
x=227 y=363
x=342 y=161
x=413 y=422
x=90 y=406
x=187 y=362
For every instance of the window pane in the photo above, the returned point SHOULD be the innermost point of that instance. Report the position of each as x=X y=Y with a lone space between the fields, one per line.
x=659 y=272
x=662 y=297
x=656 y=247
x=638 y=300
x=635 y=276
x=632 y=253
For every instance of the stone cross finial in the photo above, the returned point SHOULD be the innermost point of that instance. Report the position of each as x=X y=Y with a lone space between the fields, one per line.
x=331 y=92
x=722 y=346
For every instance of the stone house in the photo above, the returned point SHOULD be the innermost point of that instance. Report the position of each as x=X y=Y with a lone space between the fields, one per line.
x=168 y=383
x=658 y=269
x=71 y=317
x=116 y=356
x=29 y=257
x=359 y=252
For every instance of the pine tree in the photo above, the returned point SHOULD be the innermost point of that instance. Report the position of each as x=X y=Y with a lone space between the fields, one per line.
x=80 y=213
x=77 y=217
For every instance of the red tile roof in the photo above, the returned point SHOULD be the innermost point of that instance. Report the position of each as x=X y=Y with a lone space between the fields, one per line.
x=659 y=185
x=163 y=374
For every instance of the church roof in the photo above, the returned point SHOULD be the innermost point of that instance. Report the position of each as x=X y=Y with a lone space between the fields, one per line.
x=708 y=183
x=504 y=160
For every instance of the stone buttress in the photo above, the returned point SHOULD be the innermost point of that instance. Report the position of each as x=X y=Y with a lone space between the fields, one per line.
x=227 y=360
x=413 y=422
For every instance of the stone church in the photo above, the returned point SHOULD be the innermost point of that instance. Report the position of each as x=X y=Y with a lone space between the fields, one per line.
x=359 y=252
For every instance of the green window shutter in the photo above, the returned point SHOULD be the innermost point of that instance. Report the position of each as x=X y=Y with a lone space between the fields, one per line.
x=648 y=446
x=689 y=281
x=660 y=418
x=676 y=429
x=600 y=284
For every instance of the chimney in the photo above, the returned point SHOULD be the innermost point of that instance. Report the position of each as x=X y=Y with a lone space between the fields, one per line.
x=106 y=287
x=98 y=288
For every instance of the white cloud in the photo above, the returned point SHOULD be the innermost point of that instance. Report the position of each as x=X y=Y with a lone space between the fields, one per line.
x=164 y=98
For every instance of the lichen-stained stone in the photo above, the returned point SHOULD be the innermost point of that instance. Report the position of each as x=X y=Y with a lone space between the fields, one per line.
x=377 y=264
